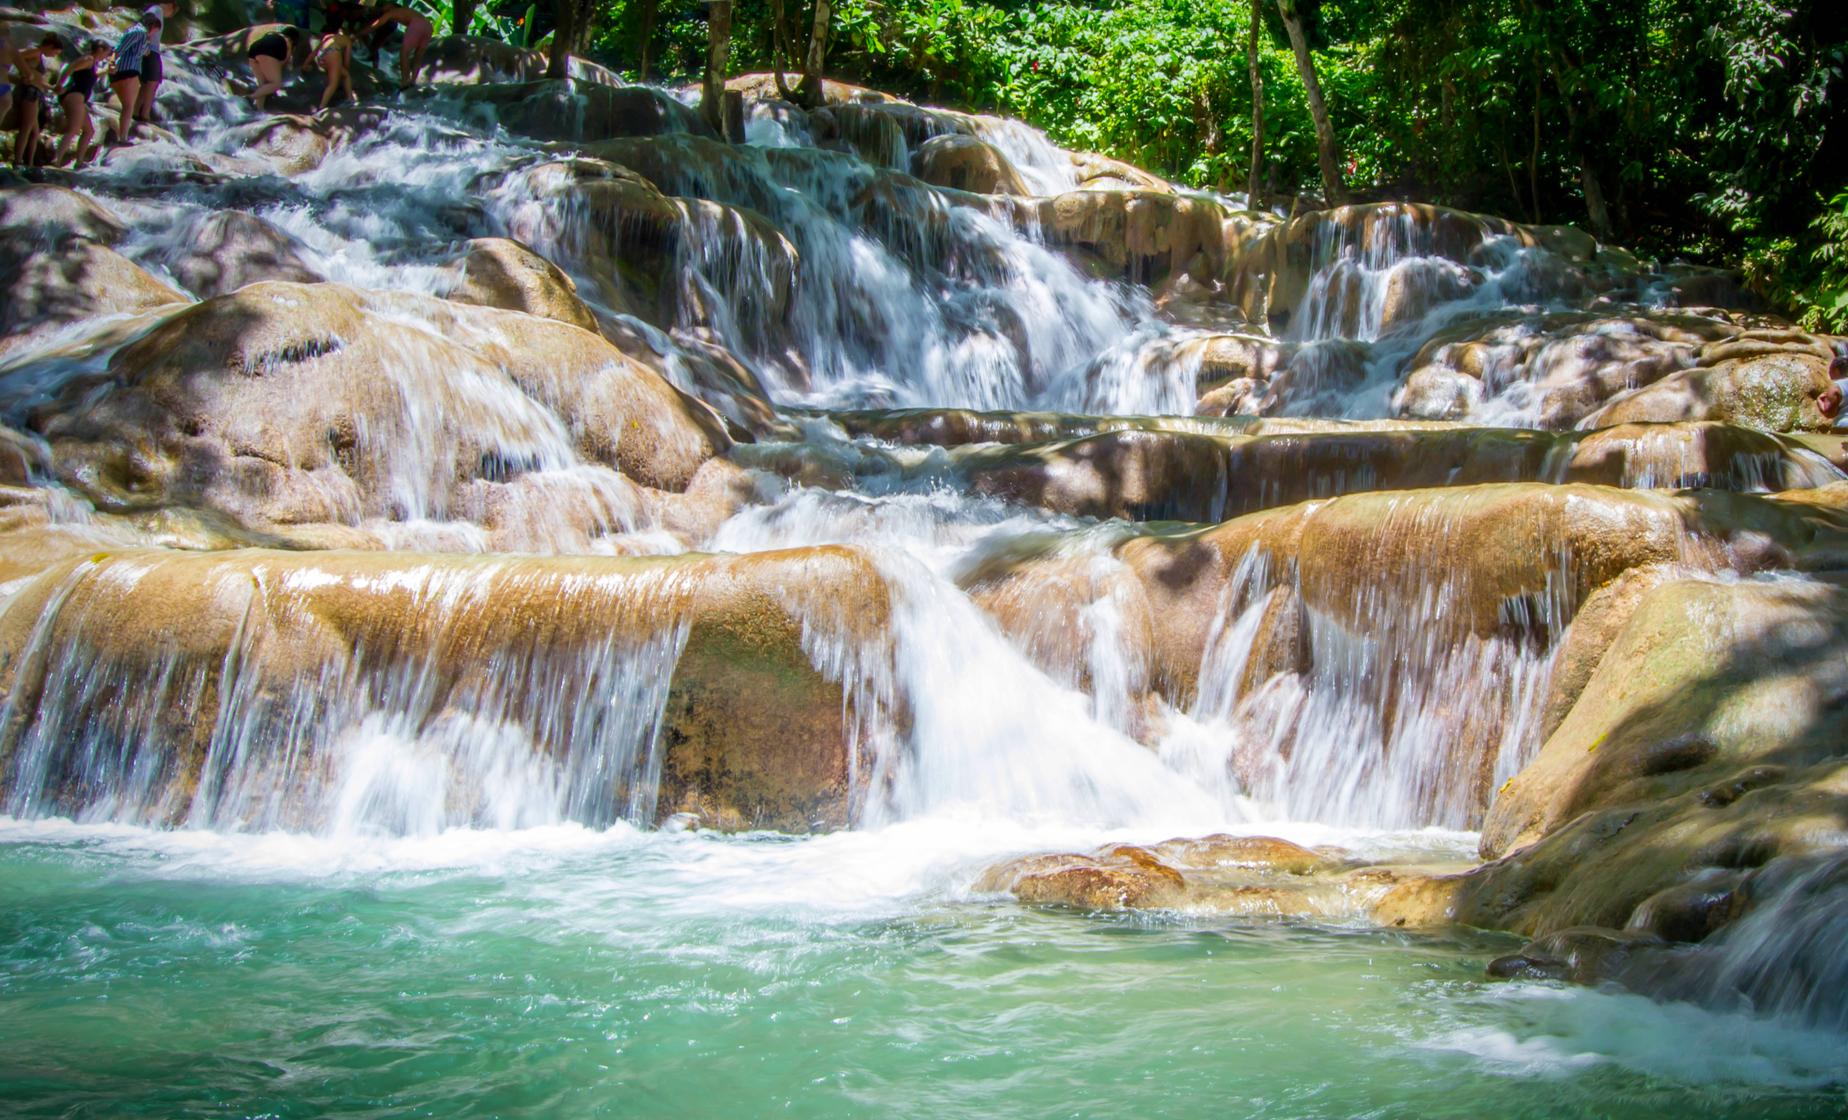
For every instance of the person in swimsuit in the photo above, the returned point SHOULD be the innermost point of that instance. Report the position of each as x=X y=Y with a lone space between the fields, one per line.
x=32 y=89
x=335 y=56
x=268 y=55
x=151 y=69
x=77 y=87
x=125 y=76
x=417 y=31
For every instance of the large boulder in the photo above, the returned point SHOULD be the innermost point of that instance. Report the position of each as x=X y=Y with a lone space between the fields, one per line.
x=1144 y=236
x=57 y=269
x=255 y=689
x=496 y=272
x=1245 y=876
x=1781 y=391
x=289 y=403
x=227 y=249
x=1695 y=784
x=966 y=163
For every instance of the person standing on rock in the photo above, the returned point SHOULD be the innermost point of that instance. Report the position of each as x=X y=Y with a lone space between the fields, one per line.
x=152 y=69
x=417 y=30
x=335 y=57
x=125 y=77
x=269 y=55
x=77 y=86
x=32 y=89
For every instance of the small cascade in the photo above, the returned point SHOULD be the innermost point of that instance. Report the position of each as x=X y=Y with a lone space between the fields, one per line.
x=1788 y=957
x=428 y=724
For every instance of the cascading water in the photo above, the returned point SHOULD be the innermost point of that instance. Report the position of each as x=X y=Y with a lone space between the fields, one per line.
x=388 y=743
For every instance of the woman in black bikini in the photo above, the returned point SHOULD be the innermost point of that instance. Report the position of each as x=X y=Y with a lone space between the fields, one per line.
x=268 y=55
x=78 y=85
x=30 y=87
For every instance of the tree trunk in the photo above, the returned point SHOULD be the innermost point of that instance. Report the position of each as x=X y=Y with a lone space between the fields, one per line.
x=648 y=22
x=1327 y=149
x=461 y=14
x=1254 y=186
x=718 y=53
x=564 y=38
x=810 y=93
x=779 y=48
x=1595 y=209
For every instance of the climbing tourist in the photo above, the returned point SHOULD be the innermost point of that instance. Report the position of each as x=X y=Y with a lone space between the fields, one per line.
x=155 y=20
x=75 y=90
x=125 y=77
x=269 y=55
x=32 y=90
x=417 y=31
x=335 y=57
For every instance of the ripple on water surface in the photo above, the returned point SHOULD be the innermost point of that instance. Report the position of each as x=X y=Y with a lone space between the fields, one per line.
x=570 y=972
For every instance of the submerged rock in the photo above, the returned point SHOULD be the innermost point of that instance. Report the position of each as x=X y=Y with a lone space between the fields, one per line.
x=1243 y=876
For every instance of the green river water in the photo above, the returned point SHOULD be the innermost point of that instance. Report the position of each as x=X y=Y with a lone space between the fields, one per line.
x=562 y=972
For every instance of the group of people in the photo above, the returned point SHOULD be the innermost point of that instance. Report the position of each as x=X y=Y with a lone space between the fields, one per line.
x=31 y=87
x=345 y=22
x=28 y=81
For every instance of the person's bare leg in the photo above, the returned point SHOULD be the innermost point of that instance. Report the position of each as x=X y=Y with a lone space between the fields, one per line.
x=76 y=119
x=27 y=138
x=336 y=73
x=269 y=78
x=144 y=104
x=129 y=91
x=88 y=141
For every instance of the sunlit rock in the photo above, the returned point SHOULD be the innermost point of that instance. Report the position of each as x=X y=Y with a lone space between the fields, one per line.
x=228 y=249
x=64 y=280
x=496 y=272
x=254 y=689
x=1789 y=390
x=965 y=163
x=288 y=404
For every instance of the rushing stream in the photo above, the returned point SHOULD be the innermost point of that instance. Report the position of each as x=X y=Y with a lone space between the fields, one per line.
x=382 y=892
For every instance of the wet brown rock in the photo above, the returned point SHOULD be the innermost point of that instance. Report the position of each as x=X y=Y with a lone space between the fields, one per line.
x=1783 y=391
x=289 y=404
x=1144 y=236
x=1582 y=956
x=229 y=249
x=496 y=272
x=1241 y=396
x=1124 y=878
x=752 y=733
x=1492 y=547
x=966 y=163
x=1128 y=474
x=1258 y=853
x=42 y=290
x=1700 y=757
x=51 y=214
